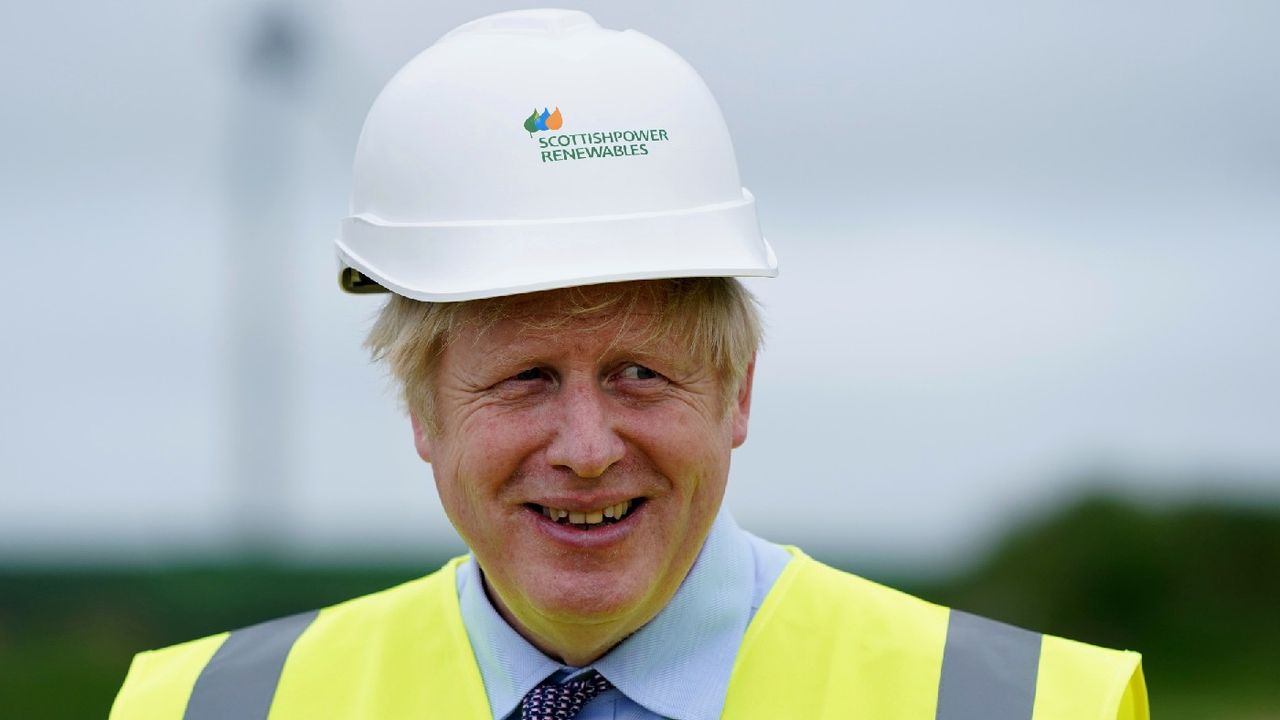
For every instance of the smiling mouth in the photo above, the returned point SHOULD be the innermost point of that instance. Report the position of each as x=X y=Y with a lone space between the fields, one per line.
x=608 y=515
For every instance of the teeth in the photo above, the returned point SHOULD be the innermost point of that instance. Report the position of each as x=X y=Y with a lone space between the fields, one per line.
x=591 y=517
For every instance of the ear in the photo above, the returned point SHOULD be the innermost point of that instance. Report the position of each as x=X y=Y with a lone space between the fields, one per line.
x=421 y=440
x=742 y=405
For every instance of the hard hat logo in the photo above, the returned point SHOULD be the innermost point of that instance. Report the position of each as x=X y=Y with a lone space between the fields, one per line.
x=579 y=146
x=543 y=121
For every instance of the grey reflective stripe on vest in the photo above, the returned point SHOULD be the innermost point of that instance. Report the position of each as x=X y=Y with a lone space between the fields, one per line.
x=988 y=670
x=241 y=677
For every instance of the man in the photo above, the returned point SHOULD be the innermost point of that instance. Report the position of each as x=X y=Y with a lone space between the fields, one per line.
x=577 y=360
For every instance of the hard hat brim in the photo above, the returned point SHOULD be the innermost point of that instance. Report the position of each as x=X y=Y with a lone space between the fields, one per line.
x=452 y=262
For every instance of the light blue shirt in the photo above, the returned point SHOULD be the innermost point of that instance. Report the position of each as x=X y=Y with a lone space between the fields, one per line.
x=676 y=666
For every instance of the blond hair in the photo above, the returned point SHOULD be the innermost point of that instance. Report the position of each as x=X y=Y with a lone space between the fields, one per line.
x=715 y=317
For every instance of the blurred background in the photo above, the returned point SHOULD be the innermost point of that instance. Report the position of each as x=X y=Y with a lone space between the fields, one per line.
x=1021 y=358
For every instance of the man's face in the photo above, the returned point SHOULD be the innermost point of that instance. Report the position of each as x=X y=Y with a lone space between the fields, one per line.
x=581 y=419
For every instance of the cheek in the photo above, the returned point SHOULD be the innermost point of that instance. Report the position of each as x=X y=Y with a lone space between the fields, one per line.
x=476 y=460
x=692 y=450
x=695 y=436
x=500 y=442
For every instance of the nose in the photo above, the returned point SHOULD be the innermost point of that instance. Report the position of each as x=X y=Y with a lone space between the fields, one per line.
x=586 y=441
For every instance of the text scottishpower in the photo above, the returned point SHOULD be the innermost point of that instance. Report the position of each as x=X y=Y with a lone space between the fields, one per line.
x=579 y=146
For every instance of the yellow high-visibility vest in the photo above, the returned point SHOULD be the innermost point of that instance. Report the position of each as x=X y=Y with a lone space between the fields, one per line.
x=824 y=644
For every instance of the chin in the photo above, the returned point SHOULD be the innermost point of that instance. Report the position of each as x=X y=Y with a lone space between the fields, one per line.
x=591 y=599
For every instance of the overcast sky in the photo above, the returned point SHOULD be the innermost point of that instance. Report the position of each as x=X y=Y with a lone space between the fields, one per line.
x=1020 y=244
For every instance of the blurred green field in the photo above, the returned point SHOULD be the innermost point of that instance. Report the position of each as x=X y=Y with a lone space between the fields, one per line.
x=1196 y=589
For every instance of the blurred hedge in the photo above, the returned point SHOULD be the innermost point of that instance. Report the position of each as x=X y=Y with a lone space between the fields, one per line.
x=1195 y=588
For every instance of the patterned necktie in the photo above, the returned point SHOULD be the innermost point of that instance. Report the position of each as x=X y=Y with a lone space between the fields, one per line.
x=552 y=701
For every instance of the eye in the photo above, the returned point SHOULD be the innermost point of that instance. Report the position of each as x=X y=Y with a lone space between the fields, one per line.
x=637 y=372
x=530 y=375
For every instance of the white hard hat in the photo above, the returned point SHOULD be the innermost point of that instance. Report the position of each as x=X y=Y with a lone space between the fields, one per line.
x=533 y=150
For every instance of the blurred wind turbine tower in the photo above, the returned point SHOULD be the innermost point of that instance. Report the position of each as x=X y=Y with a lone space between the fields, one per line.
x=262 y=195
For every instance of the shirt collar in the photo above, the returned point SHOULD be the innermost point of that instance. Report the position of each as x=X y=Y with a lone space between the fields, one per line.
x=677 y=665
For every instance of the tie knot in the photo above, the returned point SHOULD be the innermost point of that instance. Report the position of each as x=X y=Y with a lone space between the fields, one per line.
x=561 y=701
